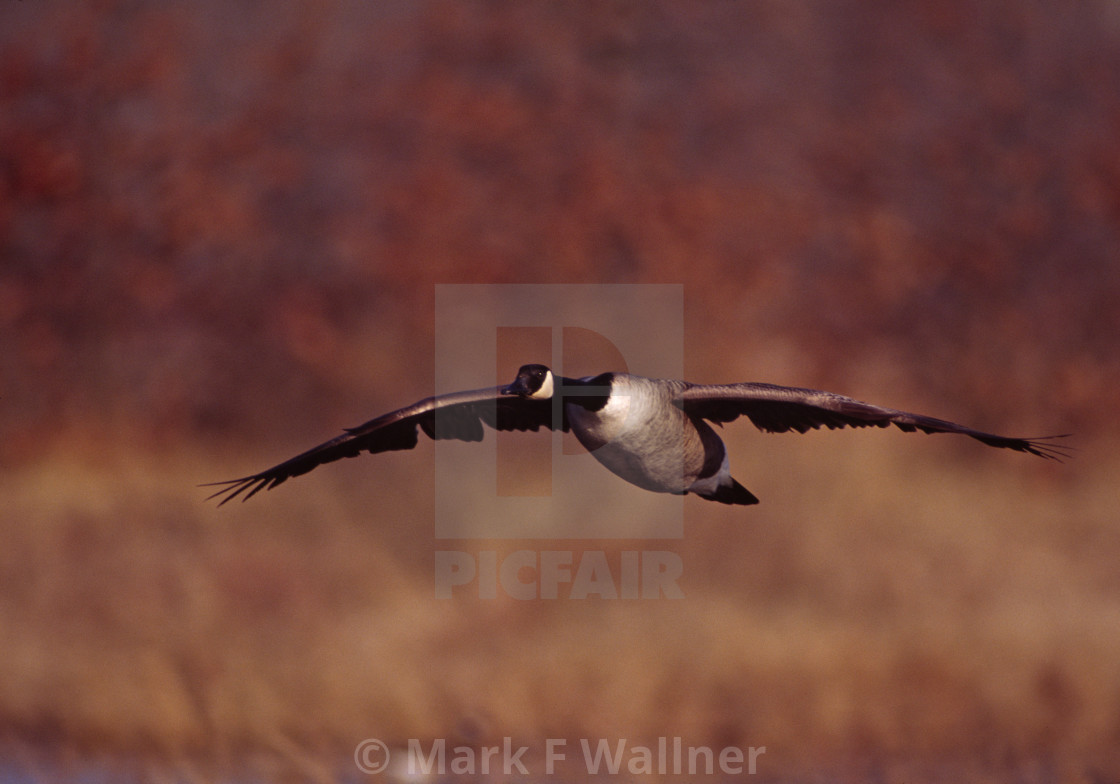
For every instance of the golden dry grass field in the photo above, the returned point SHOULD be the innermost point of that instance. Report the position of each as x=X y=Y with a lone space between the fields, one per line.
x=893 y=598
x=222 y=227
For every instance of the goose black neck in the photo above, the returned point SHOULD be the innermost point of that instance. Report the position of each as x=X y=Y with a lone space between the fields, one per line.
x=587 y=393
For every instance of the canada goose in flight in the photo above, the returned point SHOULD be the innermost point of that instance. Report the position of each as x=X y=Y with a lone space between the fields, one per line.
x=653 y=433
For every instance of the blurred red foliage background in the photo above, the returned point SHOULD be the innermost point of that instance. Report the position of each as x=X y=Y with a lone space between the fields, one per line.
x=210 y=212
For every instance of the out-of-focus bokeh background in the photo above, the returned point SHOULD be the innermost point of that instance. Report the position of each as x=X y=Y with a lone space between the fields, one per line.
x=221 y=225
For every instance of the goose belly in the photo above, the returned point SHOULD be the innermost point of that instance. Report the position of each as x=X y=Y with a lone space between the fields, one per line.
x=654 y=448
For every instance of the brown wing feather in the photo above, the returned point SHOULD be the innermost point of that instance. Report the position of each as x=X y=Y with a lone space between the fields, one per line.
x=459 y=416
x=777 y=409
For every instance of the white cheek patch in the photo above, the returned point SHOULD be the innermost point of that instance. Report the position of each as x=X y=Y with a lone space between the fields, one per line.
x=545 y=392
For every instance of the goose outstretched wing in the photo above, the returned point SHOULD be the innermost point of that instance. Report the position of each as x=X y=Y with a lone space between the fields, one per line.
x=459 y=416
x=778 y=409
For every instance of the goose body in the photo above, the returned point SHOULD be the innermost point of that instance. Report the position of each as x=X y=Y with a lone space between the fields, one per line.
x=654 y=433
x=643 y=436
